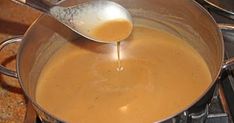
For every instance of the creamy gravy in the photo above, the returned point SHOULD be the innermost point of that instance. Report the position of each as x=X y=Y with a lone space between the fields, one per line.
x=112 y=31
x=162 y=75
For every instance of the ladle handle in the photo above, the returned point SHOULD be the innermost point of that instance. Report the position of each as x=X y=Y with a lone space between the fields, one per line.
x=40 y=5
x=3 y=69
x=229 y=62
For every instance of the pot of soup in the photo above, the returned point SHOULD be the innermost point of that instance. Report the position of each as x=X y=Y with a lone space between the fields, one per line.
x=169 y=62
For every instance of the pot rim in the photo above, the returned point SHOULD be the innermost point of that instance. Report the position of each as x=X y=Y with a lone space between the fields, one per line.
x=18 y=58
x=34 y=103
x=220 y=65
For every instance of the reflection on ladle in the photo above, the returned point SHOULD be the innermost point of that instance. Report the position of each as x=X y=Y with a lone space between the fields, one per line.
x=120 y=67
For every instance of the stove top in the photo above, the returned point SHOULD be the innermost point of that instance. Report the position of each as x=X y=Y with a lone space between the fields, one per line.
x=220 y=108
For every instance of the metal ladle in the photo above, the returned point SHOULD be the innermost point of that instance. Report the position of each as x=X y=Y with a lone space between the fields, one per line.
x=83 y=17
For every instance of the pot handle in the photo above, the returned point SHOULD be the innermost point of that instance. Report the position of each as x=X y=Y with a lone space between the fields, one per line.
x=224 y=26
x=6 y=42
x=229 y=62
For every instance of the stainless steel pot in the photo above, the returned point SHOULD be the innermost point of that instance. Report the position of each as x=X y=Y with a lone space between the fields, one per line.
x=184 y=18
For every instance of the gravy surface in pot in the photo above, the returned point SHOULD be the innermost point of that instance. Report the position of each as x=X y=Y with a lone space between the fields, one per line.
x=162 y=75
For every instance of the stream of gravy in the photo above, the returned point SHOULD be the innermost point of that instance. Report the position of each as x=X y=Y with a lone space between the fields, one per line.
x=119 y=68
x=162 y=75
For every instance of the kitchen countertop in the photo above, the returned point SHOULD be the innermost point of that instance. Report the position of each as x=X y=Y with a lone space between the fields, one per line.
x=14 y=20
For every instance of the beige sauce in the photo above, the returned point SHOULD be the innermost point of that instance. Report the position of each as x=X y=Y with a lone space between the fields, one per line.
x=112 y=31
x=162 y=75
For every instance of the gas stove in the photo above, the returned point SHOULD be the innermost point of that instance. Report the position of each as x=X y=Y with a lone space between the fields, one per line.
x=220 y=107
